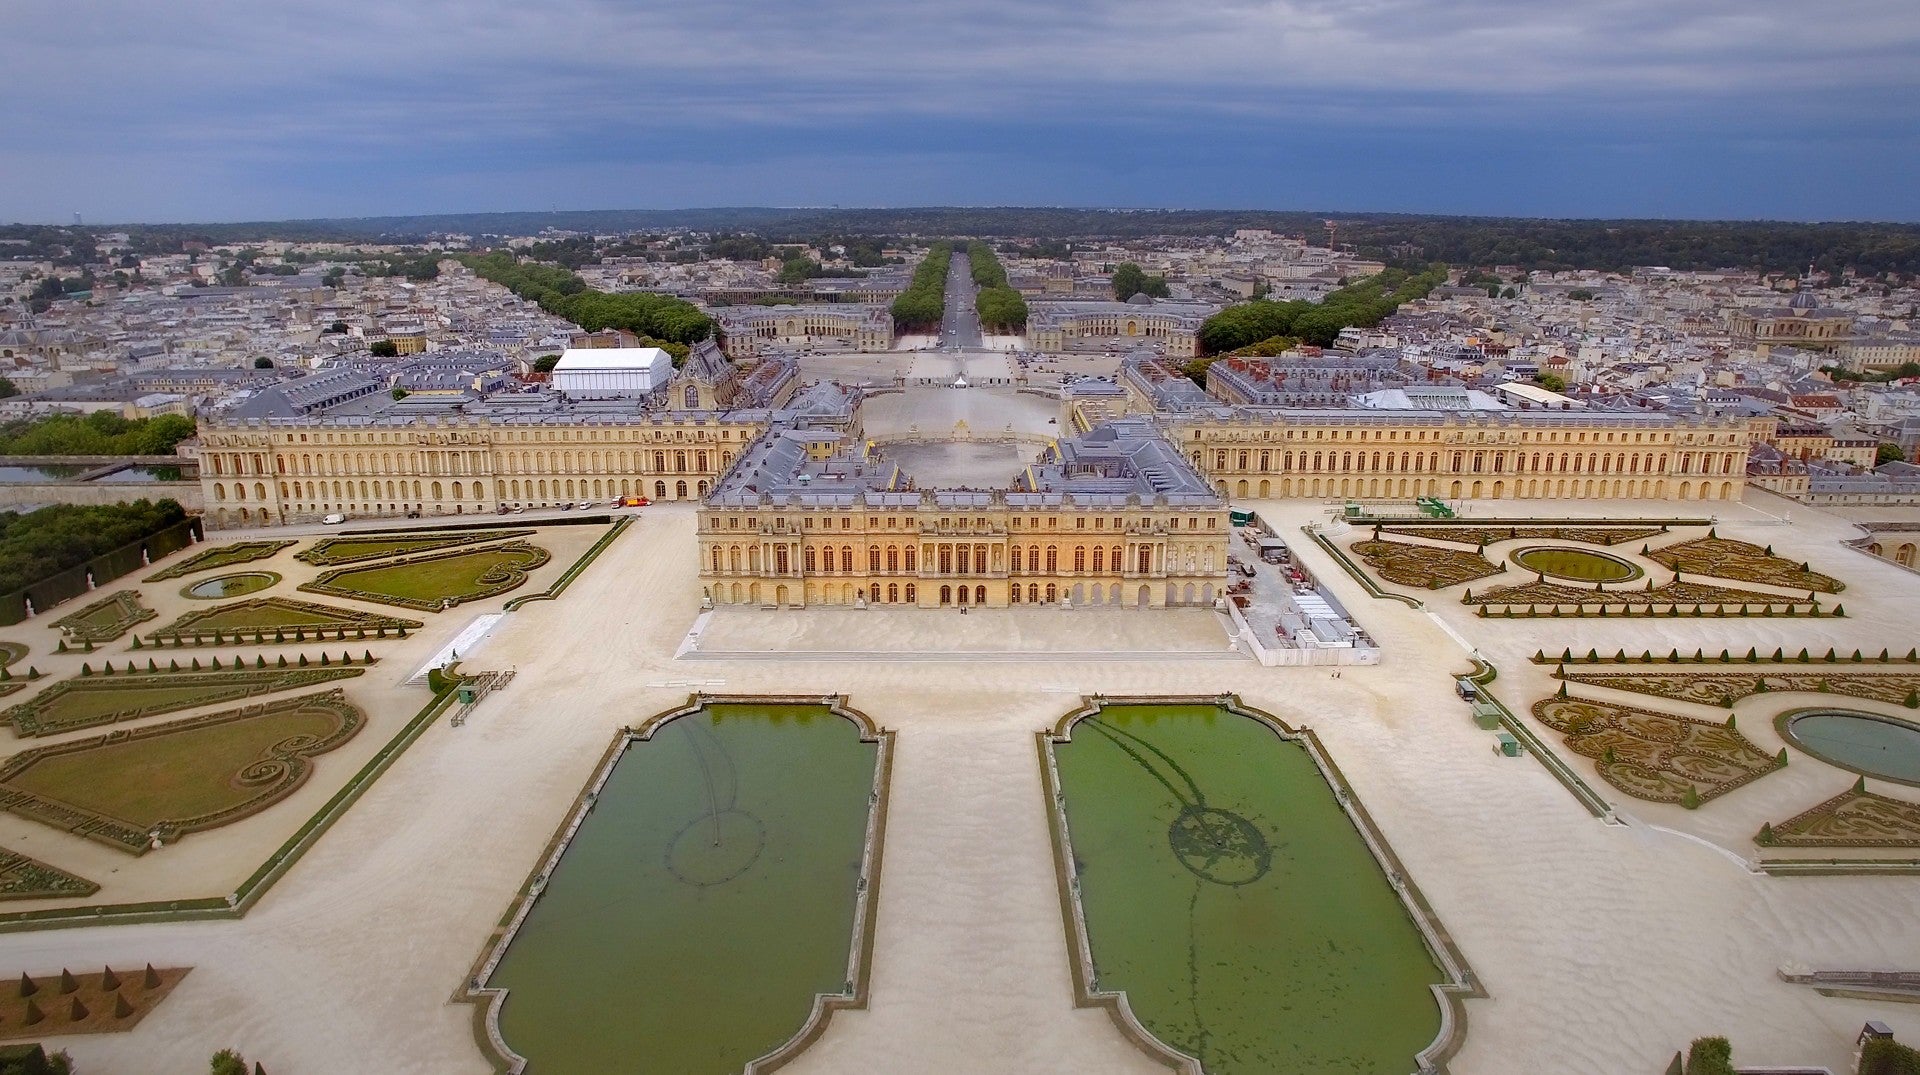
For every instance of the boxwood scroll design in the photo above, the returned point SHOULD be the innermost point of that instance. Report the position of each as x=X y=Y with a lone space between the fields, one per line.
x=334 y=551
x=239 y=552
x=23 y=878
x=106 y=619
x=1659 y=757
x=276 y=620
x=82 y=786
x=91 y=701
x=411 y=582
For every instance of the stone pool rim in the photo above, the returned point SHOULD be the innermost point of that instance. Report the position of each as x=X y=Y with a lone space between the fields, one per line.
x=1783 y=723
x=274 y=578
x=1451 y=995
x=1639 y=572
x=489 y=1000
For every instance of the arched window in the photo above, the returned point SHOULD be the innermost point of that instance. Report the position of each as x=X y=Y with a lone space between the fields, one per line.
x=1099 y=558
x=1015 y=554
x=873 y=560
x=1053 y=561
x=846 y=559
x=810 y=560
x=1079 y=557
x=912 y=555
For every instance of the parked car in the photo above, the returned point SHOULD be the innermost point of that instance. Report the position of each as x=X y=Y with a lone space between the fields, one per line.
x=566 y=507
x=502 y=510
x=519 y=509
x=334 y=519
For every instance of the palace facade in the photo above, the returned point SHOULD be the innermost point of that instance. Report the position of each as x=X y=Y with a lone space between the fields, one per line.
x=1113 y=517
x=747 y=330
x=1057 y=326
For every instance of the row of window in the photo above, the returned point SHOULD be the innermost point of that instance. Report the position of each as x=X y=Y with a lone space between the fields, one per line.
x=1418 y=462
x=674 y=461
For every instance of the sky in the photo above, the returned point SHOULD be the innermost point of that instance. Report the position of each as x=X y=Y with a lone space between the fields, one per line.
x=211 y=110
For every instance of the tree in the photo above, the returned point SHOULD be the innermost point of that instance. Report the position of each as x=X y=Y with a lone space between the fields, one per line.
x=545 y=363
x=1580 y=294
x=338 y=328
x=398 y=393
x=1888 y=452
x=1710 y=1056
x=1509 y=293
x=1552 y=382
x=263 y=363
x=383 y=349
x=333 y=277
x=228 y=1062
x=8 y=388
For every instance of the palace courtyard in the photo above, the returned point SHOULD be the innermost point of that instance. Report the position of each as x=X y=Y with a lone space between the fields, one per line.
x=1602 y=944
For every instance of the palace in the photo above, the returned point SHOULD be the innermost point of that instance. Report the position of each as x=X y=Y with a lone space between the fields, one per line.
x=1113 y=517
x=1054 y=326
x=1439 y=441
x=273 y=460
x=747 y=330
x=1803 y=323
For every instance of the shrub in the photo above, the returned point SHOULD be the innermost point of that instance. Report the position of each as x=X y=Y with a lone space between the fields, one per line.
x=1710 y=1056
x=1884 y=1056
x=227 y=1062
x=1691 y=800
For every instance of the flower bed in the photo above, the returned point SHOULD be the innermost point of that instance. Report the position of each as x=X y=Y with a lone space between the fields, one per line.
x=1726 y=688
x=239 y=552
x=1854 y=818
x=127 y=787
x=1657 y=756
x=91 y=700
x=23 y=878
x=1540 y=598
x=434 y=581
x=106 y=619
x=333 y=551
x=276 y=620
x=1486 y=533
x=1426 y=566
x=1725 y=558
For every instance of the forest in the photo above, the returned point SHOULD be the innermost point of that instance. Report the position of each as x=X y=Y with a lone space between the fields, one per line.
x=1871 y=249
x=1366 y=303
x=924 y=303
x=1000 y=306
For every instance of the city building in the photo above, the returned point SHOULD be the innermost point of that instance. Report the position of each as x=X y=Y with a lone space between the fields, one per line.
x=746 y=330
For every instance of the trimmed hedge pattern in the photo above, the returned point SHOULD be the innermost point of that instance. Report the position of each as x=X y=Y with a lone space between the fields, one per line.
x=276 y=620
x=108 y=618
x=1582 y=601
x=1482 y=534
x=1726 y=688
x=1725 y=558
x=506 y=570
x=72 y=704
x=23 y=878
x=1427 y=566
x=333 y=551
x=1657 y=756
x=1853 y=818
x=272 y=776
x=239 y=552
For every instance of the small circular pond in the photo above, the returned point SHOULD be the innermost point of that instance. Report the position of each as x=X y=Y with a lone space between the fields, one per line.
x=1579 y=565
x=245 y=582
x=1865 y=743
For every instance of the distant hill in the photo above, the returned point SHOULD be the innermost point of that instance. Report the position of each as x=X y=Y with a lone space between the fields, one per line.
x=1869 y=248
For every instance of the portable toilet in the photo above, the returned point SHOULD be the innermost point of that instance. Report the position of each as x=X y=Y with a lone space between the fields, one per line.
x=466 y=693
x=1506 y=745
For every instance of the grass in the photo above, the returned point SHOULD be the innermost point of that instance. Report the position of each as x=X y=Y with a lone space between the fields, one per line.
x=426 y=582
x=221 y=587
x=240 y=552
x=106 y=619
x=181 y=777
x=330 y=552
x=263 y=615
x=94 y=700
x=1580 y=565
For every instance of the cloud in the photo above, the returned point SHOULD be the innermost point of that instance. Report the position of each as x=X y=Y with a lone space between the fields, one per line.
x=229 y=97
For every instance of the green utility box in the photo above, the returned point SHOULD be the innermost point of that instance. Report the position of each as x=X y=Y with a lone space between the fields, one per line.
x=467 y=693
x=1486 y=715
x=1507 y=745
x=1240 y=517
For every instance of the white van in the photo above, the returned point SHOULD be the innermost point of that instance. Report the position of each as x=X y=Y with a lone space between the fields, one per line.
x=334 y=519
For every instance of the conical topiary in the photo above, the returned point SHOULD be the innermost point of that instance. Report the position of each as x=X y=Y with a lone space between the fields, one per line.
x=34 y=1014
x=108 y=979
x=150 y=979
x=28 y=986
x=121 y=1009
x=67 y=982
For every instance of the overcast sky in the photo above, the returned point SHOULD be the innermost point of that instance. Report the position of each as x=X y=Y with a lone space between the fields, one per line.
x=142 y=111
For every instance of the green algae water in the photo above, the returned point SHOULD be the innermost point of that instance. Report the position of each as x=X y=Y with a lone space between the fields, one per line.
x=1227 y=894
x=702 y=904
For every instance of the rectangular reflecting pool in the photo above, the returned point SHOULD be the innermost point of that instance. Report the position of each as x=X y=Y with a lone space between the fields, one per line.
x=715 y=880
x=1227 y=907
x=40 y=473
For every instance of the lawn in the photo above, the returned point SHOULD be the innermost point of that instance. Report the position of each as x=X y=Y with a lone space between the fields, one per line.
x=331 y=552
x=181 y=777
x=428 y=581
x=106 y=619
x=88 y=701
x=240 y=552
x=269 y=615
